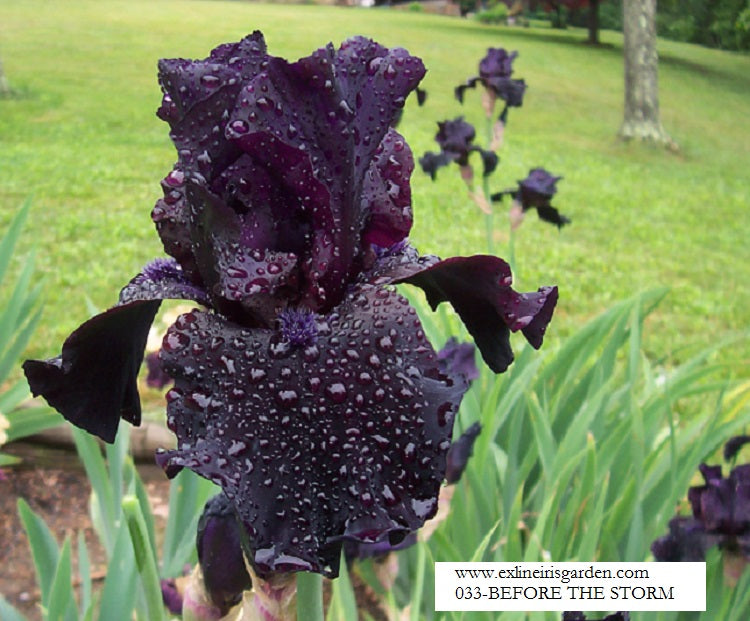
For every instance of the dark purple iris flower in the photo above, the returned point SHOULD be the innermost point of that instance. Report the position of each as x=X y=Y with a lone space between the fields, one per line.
x=305 y=387
x=536 y=192
x=495 y=70
x=456 y=139
x=456 y=462
x=686 y=541
x=721 y=514
x=722 y=505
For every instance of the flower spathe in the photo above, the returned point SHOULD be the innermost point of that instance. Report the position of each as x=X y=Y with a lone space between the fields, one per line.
x=305 y=387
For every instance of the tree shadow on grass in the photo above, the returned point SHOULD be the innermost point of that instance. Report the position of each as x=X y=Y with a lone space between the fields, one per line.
x=572 y=38
x=726 y=79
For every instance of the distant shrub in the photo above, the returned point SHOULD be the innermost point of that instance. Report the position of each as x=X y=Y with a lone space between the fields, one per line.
x=678 y=29
x=415 y=7
x=497 y=14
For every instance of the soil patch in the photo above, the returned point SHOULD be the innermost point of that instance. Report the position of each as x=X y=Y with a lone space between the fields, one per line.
x=54 y=484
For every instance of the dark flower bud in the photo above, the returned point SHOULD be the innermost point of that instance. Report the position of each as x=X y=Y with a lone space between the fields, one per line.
x=458 y=358
x=171 y=596
x=220 y=553
x=459 y=453
x=155 y=376
x=579 y=616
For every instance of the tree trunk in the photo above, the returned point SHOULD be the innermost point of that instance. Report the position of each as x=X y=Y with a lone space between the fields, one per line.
x=641 y=118
x=594 y=22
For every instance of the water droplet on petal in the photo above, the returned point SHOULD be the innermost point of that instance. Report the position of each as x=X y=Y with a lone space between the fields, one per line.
x=336 y=392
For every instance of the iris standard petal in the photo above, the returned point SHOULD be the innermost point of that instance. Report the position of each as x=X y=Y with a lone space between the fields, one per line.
x=329 y=145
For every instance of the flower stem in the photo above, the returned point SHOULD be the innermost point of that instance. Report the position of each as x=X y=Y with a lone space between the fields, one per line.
x=489 y=223
x=489 y=218
x=309 y=596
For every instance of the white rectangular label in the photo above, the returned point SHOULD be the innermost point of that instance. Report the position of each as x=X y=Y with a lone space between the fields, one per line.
x=570 y=586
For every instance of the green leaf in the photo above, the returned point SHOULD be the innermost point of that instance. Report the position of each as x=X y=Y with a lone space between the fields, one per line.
x=12 y=234
x=343 y=602
x=104 y=512
x=8 y=460
x=8 y=612
x=417 y=588
x=84 y=573
x=25 y=422
x=61 y=604
x=310 y=596
x=44 y=550
x=188 y=494
x=144 y=557
x=16 y=327
x=119 y=591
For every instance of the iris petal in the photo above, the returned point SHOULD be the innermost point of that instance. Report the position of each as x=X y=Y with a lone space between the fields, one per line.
x=478 y=288
x=93 y=382
x=199 y=92
x=318 y=123
x=387 y=192
x=356 y=450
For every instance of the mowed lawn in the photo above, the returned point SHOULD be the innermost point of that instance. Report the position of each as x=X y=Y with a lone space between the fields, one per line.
x=81 y=138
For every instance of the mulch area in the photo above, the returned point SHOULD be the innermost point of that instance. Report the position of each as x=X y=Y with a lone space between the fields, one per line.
x=54 y=484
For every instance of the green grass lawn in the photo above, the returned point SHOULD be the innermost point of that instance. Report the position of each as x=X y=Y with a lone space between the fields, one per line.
x=82 y=139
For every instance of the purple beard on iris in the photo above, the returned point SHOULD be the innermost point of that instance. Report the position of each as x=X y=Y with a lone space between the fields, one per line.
x=305 y=387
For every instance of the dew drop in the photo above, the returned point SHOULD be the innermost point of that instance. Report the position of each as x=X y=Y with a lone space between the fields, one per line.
x=175 y=341
x=336 y=392
x=211 y=81
x=287 y=398
x=256 y=375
